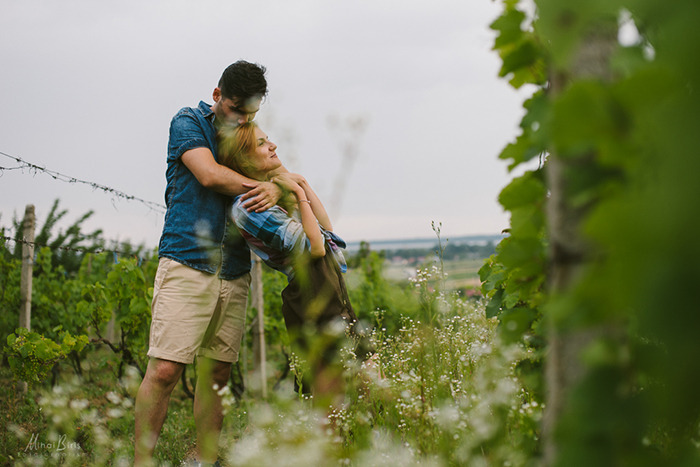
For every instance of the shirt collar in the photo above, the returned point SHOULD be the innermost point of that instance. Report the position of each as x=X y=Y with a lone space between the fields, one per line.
x=206 y=111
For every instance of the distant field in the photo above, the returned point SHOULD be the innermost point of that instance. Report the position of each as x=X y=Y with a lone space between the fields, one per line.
x=463 y=273
x=463 y=257
x=460 y=273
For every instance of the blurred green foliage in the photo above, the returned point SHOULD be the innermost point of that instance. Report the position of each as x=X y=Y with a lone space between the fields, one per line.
x=634 y=137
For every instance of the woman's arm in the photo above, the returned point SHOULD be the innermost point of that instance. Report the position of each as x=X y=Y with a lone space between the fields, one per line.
x=316 y=205
x=310 y=224
x=308 y=217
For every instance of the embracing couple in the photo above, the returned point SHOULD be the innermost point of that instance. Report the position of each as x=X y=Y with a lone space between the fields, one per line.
x=227 y=192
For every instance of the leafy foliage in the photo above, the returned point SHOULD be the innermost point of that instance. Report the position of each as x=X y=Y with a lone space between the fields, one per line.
x=449 y=391
x=32 y=356
x=624 y=132
x=79 y=293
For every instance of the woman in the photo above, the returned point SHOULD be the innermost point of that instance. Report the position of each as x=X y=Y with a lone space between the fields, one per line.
x=296 y=238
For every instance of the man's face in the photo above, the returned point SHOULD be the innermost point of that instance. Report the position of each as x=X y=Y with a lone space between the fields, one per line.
x=234 y=110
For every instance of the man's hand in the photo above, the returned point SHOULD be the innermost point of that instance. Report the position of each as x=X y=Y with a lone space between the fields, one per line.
x=261 y=196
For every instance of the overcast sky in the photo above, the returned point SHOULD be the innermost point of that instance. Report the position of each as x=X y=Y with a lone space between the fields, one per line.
x=89 y=88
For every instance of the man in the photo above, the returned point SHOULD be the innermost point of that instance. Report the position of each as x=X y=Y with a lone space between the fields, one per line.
x=201 y=286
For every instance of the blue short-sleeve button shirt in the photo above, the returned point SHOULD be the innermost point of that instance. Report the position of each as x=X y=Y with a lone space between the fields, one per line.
x=197 y=231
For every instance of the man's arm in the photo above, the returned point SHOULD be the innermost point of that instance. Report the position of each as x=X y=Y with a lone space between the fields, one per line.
x=214 y=176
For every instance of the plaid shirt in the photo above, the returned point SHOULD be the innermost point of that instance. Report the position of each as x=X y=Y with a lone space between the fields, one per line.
x=276 y=237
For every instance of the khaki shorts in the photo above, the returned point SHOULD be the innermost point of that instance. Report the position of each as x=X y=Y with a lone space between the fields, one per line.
x=195 y=313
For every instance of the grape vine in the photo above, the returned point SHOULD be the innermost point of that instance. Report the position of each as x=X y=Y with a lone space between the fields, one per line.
x=599 y=266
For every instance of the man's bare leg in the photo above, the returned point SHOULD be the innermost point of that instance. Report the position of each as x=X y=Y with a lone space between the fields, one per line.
x=208 y=415
x=152 y=406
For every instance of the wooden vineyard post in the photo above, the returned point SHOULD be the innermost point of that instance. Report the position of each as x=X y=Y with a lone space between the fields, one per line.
x=25 y=311
x=256 y=290
x=25 y=283
x=570 y=250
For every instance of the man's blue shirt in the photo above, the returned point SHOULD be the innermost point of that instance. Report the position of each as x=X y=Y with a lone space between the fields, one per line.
x=197 y=231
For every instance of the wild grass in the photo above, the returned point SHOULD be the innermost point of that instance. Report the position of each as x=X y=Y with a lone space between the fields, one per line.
x=446 y=395
x=445 y=392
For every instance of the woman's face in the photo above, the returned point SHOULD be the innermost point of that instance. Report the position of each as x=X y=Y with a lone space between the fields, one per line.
x=264 y=158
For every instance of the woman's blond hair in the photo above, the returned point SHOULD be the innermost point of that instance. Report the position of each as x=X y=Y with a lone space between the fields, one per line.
x=236 y=143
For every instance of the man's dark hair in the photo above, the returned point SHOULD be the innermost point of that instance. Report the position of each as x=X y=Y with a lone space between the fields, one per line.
x=243 y=80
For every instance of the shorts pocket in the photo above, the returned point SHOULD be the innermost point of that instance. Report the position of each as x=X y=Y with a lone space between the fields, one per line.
x=162 y=271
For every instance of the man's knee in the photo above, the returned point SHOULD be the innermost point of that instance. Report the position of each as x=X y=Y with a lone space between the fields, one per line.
x=214 y=370
x=164 y=373
x=222 y=373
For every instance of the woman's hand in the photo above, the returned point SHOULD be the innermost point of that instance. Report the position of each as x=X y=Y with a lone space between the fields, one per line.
x=299 y=179
x=289 y=182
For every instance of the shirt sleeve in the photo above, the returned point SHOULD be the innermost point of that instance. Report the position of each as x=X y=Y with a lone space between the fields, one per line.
x=273 y=227
x=185 y=133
